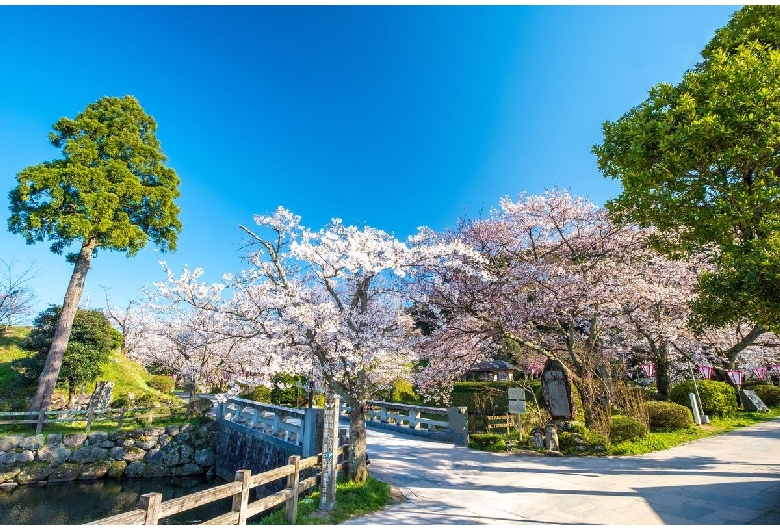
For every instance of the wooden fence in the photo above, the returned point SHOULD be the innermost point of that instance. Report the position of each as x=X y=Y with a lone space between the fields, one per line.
x=45 y=417
x=152 y=508
x=480 y=423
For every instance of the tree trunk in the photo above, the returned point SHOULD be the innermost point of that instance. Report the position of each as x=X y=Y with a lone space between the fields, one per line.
x=59 y=344
x=358 y=471
x=662 y=376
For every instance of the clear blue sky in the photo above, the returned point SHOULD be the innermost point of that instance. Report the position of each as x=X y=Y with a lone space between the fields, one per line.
x=394 y=117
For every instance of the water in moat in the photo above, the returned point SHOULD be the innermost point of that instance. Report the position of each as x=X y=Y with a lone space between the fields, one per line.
x=80 y=502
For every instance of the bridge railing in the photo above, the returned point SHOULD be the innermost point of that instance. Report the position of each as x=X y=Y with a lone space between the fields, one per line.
x=293 y=429
x=448 y=424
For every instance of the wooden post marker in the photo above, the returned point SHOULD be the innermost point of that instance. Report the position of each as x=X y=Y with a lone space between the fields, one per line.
x=291 y=509
x=151 y=503
x=330 y=436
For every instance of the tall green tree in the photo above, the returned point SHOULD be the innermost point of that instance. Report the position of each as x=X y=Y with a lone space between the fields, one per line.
x=700 y=161
x=111 y=190
x=91 y=341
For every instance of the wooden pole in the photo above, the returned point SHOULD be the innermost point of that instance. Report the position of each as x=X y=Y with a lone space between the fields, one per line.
x=150 y=417
x=121 y=418
x=90 y=410
x=39 y=425
x=241 y=499
x=151 y=503
x=291 y=509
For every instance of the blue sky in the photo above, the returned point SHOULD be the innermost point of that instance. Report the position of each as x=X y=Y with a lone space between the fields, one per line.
x=388 y=116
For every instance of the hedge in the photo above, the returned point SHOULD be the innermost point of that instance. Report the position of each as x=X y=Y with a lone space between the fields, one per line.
x=625 y=428
x=717 y=398
x=161 y=383
x=668 y=416
x=463 y=395
x=769 y=394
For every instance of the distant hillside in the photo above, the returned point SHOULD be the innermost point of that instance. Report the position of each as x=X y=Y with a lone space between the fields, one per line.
x=128 y=376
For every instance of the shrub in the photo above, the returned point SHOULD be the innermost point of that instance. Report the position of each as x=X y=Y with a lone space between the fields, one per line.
x=161 y=383
x=769 y=394
x=288 y=390
x=120 y=402
x=259 y=393
x=487 y=441
x=145 y=400
x=717 y=398
x=593 y=439
x=625 y=428
x=201 y=406
x=403 y=392
x=668 y=416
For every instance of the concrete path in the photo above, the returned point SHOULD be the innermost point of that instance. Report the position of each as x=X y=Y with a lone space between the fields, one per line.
x=732 y=478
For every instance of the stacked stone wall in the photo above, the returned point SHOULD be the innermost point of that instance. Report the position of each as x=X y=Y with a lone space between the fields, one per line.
x=176 y=450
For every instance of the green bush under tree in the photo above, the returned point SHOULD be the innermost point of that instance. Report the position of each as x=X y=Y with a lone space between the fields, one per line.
x=161 y=383
x=717 y=398
x=625 y=429
x=769 y=394
x=668 y=416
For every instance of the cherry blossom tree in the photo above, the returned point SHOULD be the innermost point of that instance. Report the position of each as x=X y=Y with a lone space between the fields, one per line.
x=330 y=304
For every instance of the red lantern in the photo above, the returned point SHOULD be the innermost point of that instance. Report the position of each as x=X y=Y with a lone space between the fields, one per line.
x=760 y=373
x=735 y=376
x=705 y=372
x=648 y=369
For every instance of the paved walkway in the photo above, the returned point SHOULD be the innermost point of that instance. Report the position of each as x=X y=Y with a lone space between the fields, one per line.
x=732 y=478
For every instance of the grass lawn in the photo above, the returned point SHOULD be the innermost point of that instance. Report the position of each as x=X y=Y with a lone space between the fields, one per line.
x=351 y=500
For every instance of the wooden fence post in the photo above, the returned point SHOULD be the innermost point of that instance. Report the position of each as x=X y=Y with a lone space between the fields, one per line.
x=241 y=499
x=291 y=509
x=151 y=503
x=90 y=411
x=150 y=417
x=121 y=418
x=39 y=425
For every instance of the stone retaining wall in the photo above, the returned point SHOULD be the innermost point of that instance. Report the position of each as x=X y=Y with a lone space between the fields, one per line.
x=176 y=450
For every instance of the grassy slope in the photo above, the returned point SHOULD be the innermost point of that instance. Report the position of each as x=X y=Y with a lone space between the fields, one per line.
x=128 y=376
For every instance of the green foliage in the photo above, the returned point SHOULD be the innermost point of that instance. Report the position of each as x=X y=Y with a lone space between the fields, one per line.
x=698 y=161
x=769 y=394
x=91 y=341
x=668 y=416
x=201 y=406
x=717 y=398
x=144 y=400
x=111 y=184
x=260 y=393
x=352 y=499
x=403 y=392
x=487 y=442
x=161 y=383
x=289 y=390
x=119 y=402
x=625 y=429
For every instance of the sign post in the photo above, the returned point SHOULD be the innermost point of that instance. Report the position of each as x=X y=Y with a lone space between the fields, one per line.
x=517 y=406
x=330 y=437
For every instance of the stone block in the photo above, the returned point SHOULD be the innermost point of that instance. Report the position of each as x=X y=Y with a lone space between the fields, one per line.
x=85 y=455
x=134 y=454
x=108 y=444
x=186 y=470
x=97 y=437
x=54 y=454
x=94 y=470
x=172 y=430
x=181 y=454
x=127 y=442
x=136 y=433
x=117 y=469
x=117 y=435
x=65 y=472
x=9 y=443
x=73 y=440
x=163 y=440
x=154 y=456
x=156 y=470
x=154 y=431
x=182 y=437
x=204 y=457
x=34 y=473
x=135 y=470
x=53 y=439
x=26 y=456
x=32 y=443
x=8 y=459
x=146 y=442
x=9 y=475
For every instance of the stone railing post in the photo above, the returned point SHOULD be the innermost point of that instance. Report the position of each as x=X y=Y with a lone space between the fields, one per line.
x=383 y=413
x=414 y=416
x=457 y=417
x=312 y=432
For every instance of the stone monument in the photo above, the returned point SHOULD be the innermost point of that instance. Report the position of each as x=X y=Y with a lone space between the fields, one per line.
x=751 y=402
x=557 y=391
x=101 y=397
